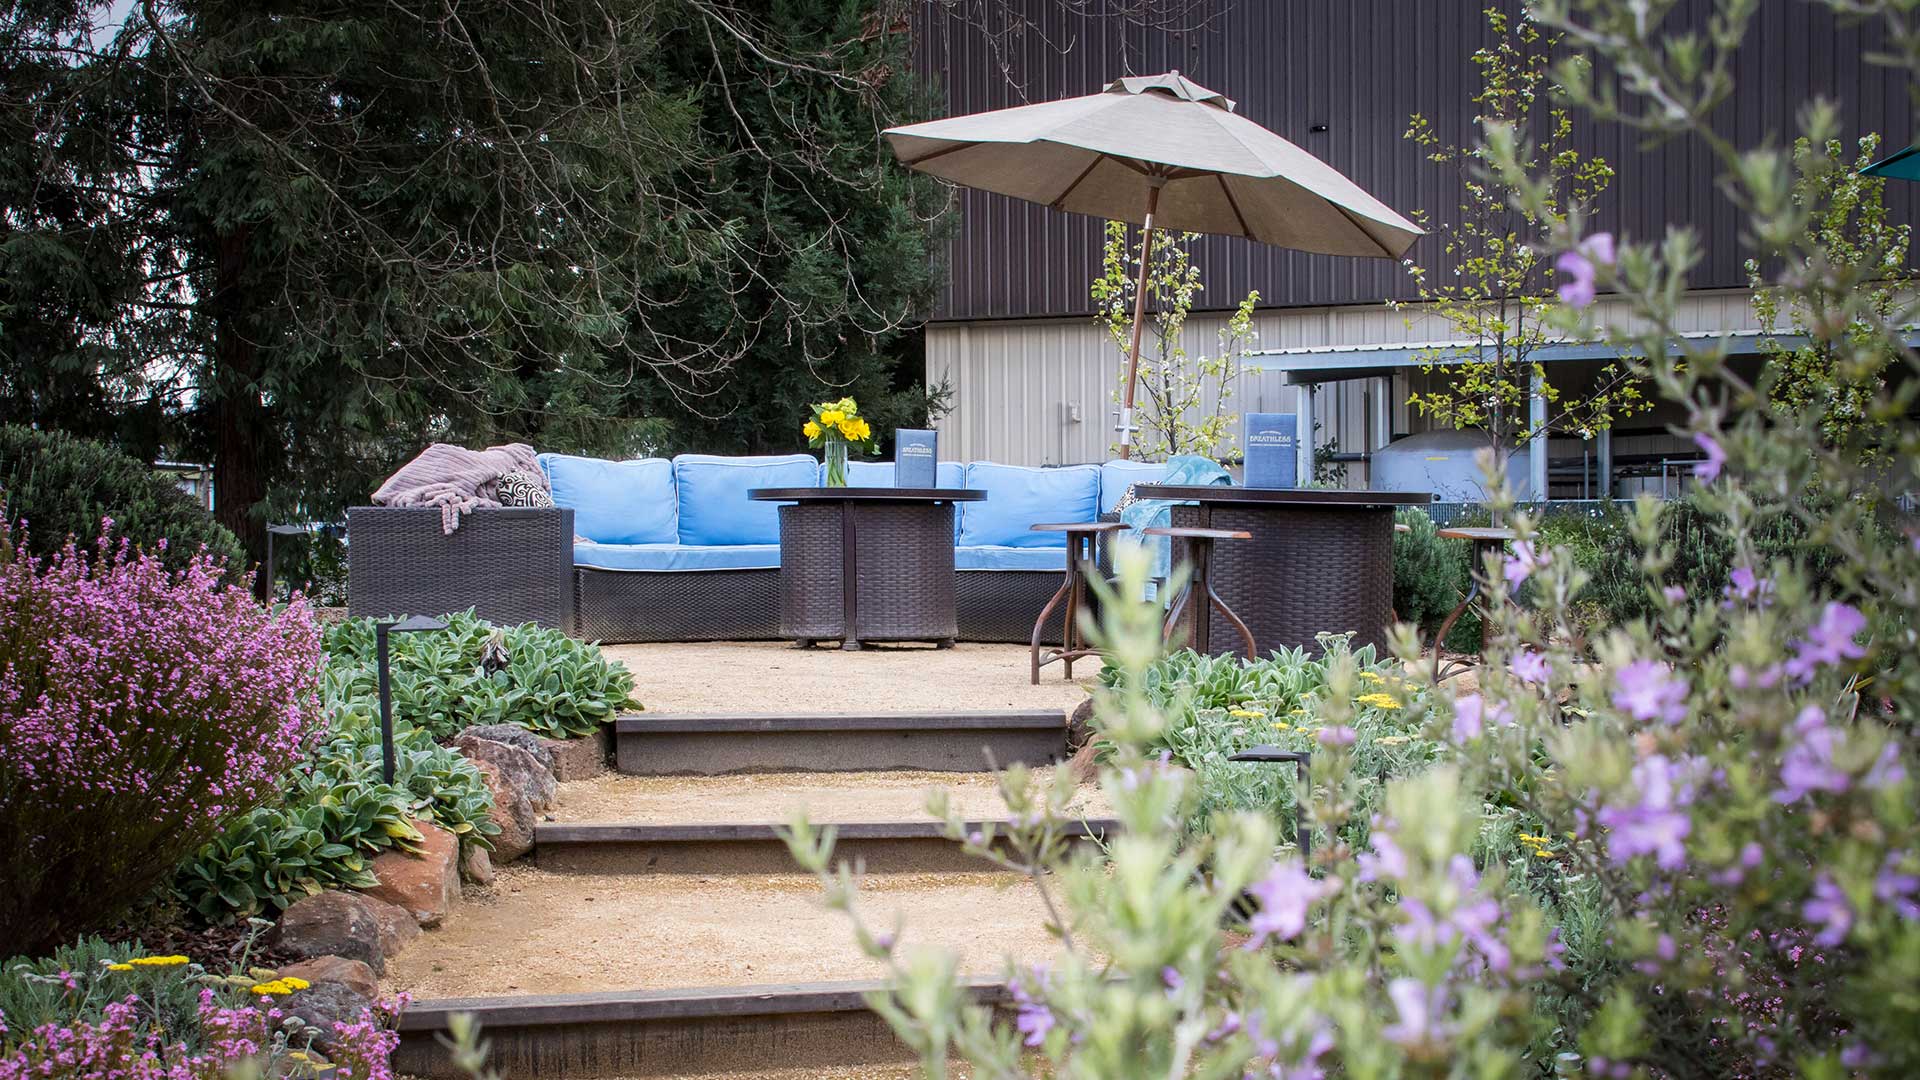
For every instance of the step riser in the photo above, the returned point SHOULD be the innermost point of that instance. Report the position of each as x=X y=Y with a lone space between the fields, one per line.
x=890 y=856
x=716 y=753
x=682 y=1047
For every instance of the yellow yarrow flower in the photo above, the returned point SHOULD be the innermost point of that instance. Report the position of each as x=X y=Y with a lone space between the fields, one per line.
x=1282 y=726
x=1372 y=676
x=158 y=961
x=811 y=430
x=1378 y=701
x=286 y=984
x=119 y=967
x=1390 y=740
x=1248 y=713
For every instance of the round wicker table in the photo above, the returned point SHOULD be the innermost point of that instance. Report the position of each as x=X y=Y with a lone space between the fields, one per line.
x=867 y=564
x=1320 y=561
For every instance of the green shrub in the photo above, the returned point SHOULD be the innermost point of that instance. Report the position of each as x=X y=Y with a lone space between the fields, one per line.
x=35 y=990
x=335 y=816
x=61 y=486
x=1429 y=578
x=550 y=684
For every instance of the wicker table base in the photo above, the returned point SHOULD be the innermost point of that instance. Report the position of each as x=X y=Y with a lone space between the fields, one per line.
x=862 y=565
x=1319 y=561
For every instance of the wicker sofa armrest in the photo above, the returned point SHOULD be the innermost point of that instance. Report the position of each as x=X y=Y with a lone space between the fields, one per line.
x=510 y=565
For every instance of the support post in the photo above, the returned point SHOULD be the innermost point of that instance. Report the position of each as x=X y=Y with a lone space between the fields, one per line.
x=1139 y=317
x=1606 y=464
x=1303 y=434
x=380 y=635
x=1537 y=450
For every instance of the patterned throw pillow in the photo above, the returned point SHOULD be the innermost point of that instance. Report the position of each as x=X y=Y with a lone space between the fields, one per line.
x=1126 y=500
x=523 y=489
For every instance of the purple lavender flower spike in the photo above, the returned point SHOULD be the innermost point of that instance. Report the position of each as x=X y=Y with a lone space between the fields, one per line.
x=1829 y=908
x=1658 y=825
x=1285 y=895
x=1531 y=667
x=1647 y=691
x=1828 y=641
x=1716 y=459
x=1807 y=766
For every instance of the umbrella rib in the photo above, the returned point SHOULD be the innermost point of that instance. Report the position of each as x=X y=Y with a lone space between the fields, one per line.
x=1354 y=220
x=942 y=152
x=1092 y=165
x=1245 y=229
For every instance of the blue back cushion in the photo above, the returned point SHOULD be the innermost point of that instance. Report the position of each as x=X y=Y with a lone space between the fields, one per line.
x=1019 y=497
x=616 y=502
x=1117 y=476
x=880 y=474
x=714 y=508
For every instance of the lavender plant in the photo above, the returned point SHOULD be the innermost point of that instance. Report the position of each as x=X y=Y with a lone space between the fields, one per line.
x=1686 y=844
x=140 y=709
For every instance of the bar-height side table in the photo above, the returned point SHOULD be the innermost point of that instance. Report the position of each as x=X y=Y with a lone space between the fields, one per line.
x=867 y=564
x=1082 y=541
x=1199 y=588
x=1485 y=541
x=1320 y=560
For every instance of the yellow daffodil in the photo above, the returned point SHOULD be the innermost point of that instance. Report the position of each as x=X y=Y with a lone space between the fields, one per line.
x=1378 y=701
x=811 y=429
x=119 y=967
x=832 y=417
x=849 y=429
x=866 y=430
x=157 y=961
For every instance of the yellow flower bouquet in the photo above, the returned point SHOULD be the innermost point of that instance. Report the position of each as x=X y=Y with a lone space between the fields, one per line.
x=832 y=427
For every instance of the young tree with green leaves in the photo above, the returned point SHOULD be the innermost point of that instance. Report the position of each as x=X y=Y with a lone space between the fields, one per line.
x=1834 y=375
x=1500 y=288
x=1182 y=407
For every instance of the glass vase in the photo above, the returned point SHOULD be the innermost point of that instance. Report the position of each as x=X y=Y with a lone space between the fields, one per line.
x=835 y=452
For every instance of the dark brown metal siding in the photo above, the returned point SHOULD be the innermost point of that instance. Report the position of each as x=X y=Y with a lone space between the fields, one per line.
x=1361 y=67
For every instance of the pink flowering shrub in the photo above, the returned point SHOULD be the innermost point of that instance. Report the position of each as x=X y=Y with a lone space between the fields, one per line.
x=139 y=709
x=234 y=1040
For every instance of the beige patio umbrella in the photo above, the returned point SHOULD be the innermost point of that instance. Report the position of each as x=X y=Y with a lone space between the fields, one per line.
x=1161 y=152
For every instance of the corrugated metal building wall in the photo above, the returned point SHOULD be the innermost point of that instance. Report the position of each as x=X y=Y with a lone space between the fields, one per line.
x=1012 y=332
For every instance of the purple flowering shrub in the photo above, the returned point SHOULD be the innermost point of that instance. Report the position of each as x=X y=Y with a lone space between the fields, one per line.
x=140 y=708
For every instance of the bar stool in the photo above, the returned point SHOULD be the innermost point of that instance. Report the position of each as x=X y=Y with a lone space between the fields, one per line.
x=1485 y=541
x=1199 y=558
x=1082 y=539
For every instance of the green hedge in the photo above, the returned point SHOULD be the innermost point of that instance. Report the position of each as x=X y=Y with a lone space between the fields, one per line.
x=61 y=486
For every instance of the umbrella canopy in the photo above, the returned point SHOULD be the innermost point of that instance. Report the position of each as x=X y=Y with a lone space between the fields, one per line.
x=1105 y=154
x=1159 y=151
x=1904 y=165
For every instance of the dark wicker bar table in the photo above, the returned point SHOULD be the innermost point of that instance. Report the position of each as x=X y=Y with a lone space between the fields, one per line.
x=867 y=564
x=1319 y=561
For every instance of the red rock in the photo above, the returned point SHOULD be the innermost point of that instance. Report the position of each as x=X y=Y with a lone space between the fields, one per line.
x=332 y=923
x=512 y=811
x=519 y=768
x=476 y=865
x=355 y=975
x=579 y=759
x=426 y=885
x=397 y=928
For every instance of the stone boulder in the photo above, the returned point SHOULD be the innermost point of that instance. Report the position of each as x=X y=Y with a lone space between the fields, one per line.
x=512 y=735
x=519 y=769
x=322 y=1005
x=426 y=885
x=476 y=865
x=579 y=759
x=397 y=928
x=512 y=811
x=332 y=923
x=355 y=975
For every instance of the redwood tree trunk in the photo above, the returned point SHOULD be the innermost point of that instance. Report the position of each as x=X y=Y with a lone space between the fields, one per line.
x=239 y=429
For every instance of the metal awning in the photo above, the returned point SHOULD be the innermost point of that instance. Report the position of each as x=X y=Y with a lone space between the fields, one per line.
x=1340 y=362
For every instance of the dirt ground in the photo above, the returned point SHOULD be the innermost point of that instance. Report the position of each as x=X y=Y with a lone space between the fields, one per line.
x=546 y=933
x=775 y=677
x=763 y=797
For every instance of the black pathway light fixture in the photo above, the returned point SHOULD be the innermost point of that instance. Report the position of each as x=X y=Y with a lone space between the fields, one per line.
x=413 y=625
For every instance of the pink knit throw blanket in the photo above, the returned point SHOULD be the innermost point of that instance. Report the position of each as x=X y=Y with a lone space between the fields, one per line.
x=455 y=479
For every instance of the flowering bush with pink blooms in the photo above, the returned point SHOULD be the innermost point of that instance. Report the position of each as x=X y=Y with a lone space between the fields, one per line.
x=140 y=707
x=1717 y=868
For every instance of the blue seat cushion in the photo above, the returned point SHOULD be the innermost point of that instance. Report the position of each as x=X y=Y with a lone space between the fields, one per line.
x=880 y=474
x=1019 y=497
x=1117 y=476
x=675 y=557
x=714 y=508
x=998 y=557
x=616 y=502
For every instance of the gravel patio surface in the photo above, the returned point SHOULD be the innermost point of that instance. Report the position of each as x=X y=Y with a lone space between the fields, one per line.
x=775 y=677
x=535 y=932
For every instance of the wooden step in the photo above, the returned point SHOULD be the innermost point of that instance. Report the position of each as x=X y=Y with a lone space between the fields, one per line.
x=880 y=847
x=959 y=741
x=648 y=1033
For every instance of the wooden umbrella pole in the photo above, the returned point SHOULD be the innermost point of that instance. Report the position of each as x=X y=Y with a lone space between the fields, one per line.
x=1139 y=317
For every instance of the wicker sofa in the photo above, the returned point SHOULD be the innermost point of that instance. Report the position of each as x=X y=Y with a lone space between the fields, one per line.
x=659 y=550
